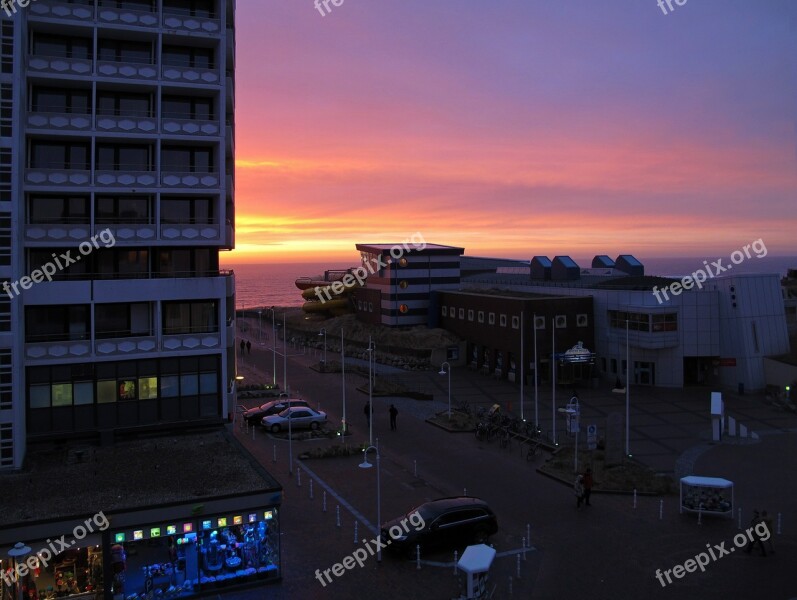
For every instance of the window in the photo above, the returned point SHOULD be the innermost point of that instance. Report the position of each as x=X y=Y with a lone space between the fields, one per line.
x=6 y=379
x=125 y=51
x=582 y=320
x=123 y=209
x=515 y=322
x=190 y=317
x=129 y=263
x=127 y=157
x=186 y=262
x=539 y=322
x=491 y=319
x=62 y=46
x=61 y=100
x=187 y=210
x=445 y=311
x=193 y=8
x=59 y=155
x=665 y=322
x=187 y=159
x=182 y=56
x=122 y=320
x=38 y=257
x=5 y=175
x=636 y=321
x=58 y=209
x=57 y=323
x=6 y=46
x=124 y=104
x=560 y=321
x=461 y=313
x=480 y=316
x=187 y=107
x=470 y=314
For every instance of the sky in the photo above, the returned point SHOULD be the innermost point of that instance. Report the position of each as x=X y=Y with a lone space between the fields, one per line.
x=515 y=127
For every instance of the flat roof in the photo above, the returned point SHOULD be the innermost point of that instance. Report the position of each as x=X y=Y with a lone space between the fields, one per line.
x=409 y=247
x=129 y=475
x=509 y=294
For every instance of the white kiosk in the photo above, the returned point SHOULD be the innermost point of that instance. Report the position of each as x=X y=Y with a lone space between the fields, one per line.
x=707 y=495
x=717 y=416
x=475 y=562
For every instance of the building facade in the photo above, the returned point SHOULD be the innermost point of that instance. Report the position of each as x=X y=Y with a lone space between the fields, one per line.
x=116 y=198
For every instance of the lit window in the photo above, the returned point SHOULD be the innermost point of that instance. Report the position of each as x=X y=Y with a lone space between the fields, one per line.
x=62 y=394
x=403 y=262
x=147 y=388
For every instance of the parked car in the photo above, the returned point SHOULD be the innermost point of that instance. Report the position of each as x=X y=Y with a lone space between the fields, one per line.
x=255 y=415
x=447 y=523
x=299 y=416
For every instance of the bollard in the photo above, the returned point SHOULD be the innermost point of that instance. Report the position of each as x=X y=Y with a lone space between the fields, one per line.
x=311 y=489
x=456 y=554
x=355 y=531
x=274 y=454
x=700 y=515
x=337 y=511
x=524 y=548
x=324 y=505
x=415 y=463
x=518 y=566
x=740 y=518
x=661 y=509
x=510 y=586
x=778 y=530
x=634 y=497
x=298 y=478
x=418 y=557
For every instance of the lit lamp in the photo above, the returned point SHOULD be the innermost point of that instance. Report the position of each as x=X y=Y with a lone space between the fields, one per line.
x=443 y=371
x=324 y=333
x=366 y=465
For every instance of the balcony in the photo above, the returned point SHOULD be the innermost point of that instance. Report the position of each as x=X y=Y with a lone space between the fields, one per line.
x=190 y=180
x=58 y=232
x=125 y=177
x=125 y=345
x=60 y=65
x=188 y=24
x=44 y=350
x=181 y=74
x=189 y=126
x=126 y=123
x=127 y=17
x=59 y=121
x=190 y=232
x=127 y=70
x=57 y=177
x=190 y=341
x=55 y=9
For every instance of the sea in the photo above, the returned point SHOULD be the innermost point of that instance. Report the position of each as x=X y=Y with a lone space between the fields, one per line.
x=272 y=284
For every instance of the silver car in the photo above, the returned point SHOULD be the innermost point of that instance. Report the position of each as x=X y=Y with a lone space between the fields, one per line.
x=299 y=416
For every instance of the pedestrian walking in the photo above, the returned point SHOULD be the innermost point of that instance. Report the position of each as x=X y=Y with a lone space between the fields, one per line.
x=578 y=490
x=248 y=347
x=587 y=485
x=243 y=347
x=393 y=415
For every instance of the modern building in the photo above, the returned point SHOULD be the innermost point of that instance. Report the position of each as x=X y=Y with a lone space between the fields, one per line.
x=116 y=198
x=401 y=279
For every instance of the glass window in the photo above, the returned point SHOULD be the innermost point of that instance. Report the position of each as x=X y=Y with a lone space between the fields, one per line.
x=170 y=386
x=189 y=384
x=491 y=319
x=106 y=392
x=83 y=392
x=481 y=316
x=40 y=396
x=147 y=388
x=502 y=321
x=62 y=394
x=127 y=389
x=208 y=383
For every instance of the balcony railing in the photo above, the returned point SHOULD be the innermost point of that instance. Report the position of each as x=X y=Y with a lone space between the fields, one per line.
x=59 y=121
x=189 y=126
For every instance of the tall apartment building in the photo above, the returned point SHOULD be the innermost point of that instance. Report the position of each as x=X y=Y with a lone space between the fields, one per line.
x=117 y=124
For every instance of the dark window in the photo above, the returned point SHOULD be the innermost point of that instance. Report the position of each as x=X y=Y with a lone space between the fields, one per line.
x=186 y=107
x=190 y=317
x=123 y=209
x=6 y=109
x=117 y=157
x=59 y=155
x=129 y=263
x=7 y=47
x=38 y=257
x=62 y=46
x=125 y=51
x=61 y=100
x=57 y=323
x=185 y=159
x=194 y=8
x=187 y=210
x=122 y=320
x=186 y=262
x=58 y=209
x=124 y=104
x=182 y=56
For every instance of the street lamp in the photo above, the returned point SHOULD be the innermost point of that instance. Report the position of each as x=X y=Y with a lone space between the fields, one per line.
x=553 y=376
x=366 y=465
x=522 y=367
x=324 y=333
x=627 y=393
x=284 y=353
x=371 y=355
x=274 y=346
x=443 y=371
x=260 y=326
x=536 y=376
x=16 y=553
x=343 y=385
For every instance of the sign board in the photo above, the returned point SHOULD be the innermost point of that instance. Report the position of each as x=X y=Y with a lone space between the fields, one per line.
x=592 y=437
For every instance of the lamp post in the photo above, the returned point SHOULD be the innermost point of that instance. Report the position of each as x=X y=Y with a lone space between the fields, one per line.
x=522 y=367
x=371 y=356
x=443 y=371
x=627 y=393
x=536 y=408
x=366 y=465
x=284 y=352
x=274 y=346
x=553 y=376
x=16 y=553
x=343 y=385
x=324 y=333
x=260 y=326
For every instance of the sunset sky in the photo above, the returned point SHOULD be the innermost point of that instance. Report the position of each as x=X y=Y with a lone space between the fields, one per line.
x=515 y=127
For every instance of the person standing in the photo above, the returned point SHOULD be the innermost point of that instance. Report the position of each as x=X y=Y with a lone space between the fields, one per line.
x=393 y=415
x=578 y=490
x=248 y=347
x=587 y=485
